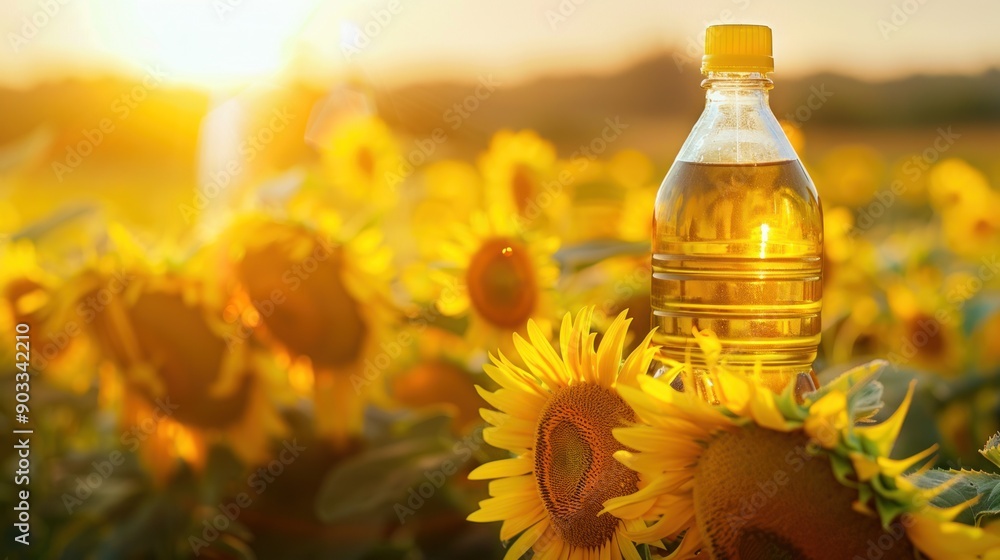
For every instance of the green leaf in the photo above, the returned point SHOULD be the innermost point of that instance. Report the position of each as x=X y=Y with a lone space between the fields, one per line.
x=389 y=551
x=861 y=385
x=437 y=425
x=25 y=150
x=978 y=310
x=992 y=449
x=234 y=548
x=964 y=486
x=576 y=257
x=42 y=227
x=382 y=481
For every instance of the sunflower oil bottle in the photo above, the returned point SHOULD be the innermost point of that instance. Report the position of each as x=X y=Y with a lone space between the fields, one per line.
x=738 y=230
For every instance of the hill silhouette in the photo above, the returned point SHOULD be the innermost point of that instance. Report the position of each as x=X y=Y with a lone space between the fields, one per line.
x=657 y=100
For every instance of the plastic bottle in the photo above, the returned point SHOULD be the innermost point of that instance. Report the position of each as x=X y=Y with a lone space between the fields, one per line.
x=738 y=229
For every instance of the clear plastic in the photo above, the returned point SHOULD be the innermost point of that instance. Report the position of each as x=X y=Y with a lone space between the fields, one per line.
x=738 y=243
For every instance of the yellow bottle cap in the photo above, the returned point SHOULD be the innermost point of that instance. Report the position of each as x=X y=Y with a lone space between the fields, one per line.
x=737 y=48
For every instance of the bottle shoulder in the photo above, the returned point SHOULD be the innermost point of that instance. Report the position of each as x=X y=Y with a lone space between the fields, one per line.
x=740 y=130
x=730 y=203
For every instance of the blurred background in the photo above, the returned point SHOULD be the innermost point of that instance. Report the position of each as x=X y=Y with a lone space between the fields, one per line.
x=263 y=248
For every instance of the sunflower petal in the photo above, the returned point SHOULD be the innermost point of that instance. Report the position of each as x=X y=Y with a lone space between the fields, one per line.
x=609 y=353
x=883 y=435
x=502 y=468
x=627 y=548
x=512 y=527
x=526 y=541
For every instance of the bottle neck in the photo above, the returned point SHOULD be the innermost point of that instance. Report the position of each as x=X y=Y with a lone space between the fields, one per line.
x=737 y=125
x=737 y=87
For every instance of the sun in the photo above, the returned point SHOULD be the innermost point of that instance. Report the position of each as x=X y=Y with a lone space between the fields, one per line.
x=218 y=44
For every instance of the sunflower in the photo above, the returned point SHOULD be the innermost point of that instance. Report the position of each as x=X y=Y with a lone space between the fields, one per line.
x=927 y=325
x=851 y=174
x=47 y=303
x=850 y=265
x=971 y=228
x=439 y=384
x=597 y=201
x=25 y=288
x=319 y=298
x=168 y=356
x=986 y=332
x=953 y=181
x=519 y=171
x=637 y=220
x=499 y=279
x=617 y=284
x=436 y=376
x=794 y=134
x=362 y=159
x=969 y=208
x=633 y=172
x=631 y=169
x=450 y=195
x=764 y=476
x=557 y=417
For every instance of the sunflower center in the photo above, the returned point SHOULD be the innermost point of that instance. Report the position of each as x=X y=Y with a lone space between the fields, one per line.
x=366 y=161
x=187 y=356
x=754 y=543
x=574 y=463
x=762 y=494
x=926 y=333
x=523 y=187
x=442 y=384
x=501 y=282
x=306 y=304
x=983 y=229
x=350 y=325
x=26 y=297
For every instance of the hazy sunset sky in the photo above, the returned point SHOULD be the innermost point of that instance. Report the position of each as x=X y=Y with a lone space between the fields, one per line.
x=218 y=43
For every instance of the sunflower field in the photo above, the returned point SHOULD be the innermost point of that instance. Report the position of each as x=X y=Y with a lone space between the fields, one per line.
x=282 y=281
x=331 y=368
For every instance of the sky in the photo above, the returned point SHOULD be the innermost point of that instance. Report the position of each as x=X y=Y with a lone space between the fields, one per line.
x=226 y=43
